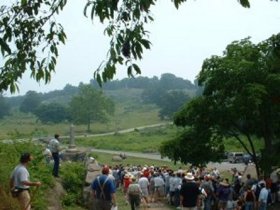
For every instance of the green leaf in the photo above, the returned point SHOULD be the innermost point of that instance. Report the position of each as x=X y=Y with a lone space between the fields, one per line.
x=120 y=60
x=146 y=43
x=98 y=78
x=4 y=47
x=138 y=50
x=136 y=13
x=86 y=8
x=178 y=2
x=129 y=71
x=245 y=3
x=23 y=2
x=136 y=68
x=92 y=12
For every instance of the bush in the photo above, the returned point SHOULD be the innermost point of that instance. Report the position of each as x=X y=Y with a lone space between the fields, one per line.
x=73 y=175
x=38 y=171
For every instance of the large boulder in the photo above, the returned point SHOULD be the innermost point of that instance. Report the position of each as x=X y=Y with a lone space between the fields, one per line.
x=117 y=158
x=93 y=170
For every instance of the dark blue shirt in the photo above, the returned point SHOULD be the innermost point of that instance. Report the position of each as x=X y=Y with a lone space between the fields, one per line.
x=223 y=193
x=108 y=187
x=189 y=191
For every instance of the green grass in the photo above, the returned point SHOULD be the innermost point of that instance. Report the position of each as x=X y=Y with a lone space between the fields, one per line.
x=147 y=140
x=9 y=154
x=126 y=116
x=232 y=145
x=104 y=158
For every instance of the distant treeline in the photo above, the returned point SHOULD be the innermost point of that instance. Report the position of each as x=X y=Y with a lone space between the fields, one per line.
x=168 y=92
x=166 y=82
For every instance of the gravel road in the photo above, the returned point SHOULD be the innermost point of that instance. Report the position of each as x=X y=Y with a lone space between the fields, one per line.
x=223 y=166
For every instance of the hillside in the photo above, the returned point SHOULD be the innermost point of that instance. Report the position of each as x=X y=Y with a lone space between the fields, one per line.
x=137 y=101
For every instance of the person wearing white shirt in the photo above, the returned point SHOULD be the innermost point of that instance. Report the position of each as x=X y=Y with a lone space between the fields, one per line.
x=54 y=146
x=19 y=181
x=144 y=185
x=159 y=187
x=263 y=197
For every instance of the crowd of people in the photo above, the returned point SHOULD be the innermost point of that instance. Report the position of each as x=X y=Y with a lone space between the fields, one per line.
x=192 y=189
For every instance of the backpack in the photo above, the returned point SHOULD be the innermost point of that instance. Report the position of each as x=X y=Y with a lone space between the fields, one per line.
x=249 y=196
x=257 y=191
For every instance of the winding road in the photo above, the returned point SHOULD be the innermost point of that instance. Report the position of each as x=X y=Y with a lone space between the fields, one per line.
x=223 y=166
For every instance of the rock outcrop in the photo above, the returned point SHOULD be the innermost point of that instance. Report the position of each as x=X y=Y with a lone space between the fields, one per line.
x=93 y=170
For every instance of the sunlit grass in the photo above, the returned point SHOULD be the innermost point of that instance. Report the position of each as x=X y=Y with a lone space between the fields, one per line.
x=232 y=145
x=27 y=126
x=106 y=159
x=147 y=140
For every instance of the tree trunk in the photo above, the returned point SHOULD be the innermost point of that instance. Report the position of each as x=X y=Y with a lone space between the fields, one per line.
x=88 y=126
x=254 y=155
x=268 y=150
x=267 y=154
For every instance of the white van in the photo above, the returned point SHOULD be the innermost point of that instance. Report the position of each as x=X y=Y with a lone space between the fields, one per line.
x=235 y=157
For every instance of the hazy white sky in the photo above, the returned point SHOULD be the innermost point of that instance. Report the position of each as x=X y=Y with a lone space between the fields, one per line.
x=181 y=39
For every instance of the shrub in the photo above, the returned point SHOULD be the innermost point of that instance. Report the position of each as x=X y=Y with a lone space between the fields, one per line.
x=38 y=171
x=73 y=175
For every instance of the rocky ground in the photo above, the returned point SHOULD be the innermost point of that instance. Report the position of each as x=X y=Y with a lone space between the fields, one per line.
x=54 y=196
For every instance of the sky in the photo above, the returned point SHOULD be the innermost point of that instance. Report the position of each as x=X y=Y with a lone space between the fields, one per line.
x=181 y=39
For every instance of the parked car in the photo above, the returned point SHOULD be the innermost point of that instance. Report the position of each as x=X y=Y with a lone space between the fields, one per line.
x=247 y=158
x=235 y=157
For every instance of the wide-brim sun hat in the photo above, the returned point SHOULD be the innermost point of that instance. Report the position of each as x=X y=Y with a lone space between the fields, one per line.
x=126 y=176
x=224 y=183
x=189 y=176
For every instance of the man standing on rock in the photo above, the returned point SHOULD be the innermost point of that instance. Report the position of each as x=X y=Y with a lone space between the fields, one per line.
x=104 y=190
x=54 y=146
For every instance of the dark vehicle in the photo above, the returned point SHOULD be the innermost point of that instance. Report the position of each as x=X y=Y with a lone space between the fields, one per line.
x=247 y=159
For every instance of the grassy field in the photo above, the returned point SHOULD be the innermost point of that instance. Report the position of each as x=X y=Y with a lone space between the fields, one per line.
x=104 y=158
x=20 y=125
x=147 y=140
x=129 y=114
x=232 y=145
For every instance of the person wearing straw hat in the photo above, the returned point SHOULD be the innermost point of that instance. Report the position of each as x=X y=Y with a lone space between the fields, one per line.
x=189 y=193
x=20 y=182
x=223 y=194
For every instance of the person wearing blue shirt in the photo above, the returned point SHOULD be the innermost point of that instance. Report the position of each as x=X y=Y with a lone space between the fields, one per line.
x=263 y=197
x=104 y=190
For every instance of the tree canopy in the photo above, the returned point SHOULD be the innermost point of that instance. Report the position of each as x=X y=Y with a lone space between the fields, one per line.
x=90 y=106
x=240 y=98
x=31 y=101
x=4 y=107
x=30 y=36
x=52 y=112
